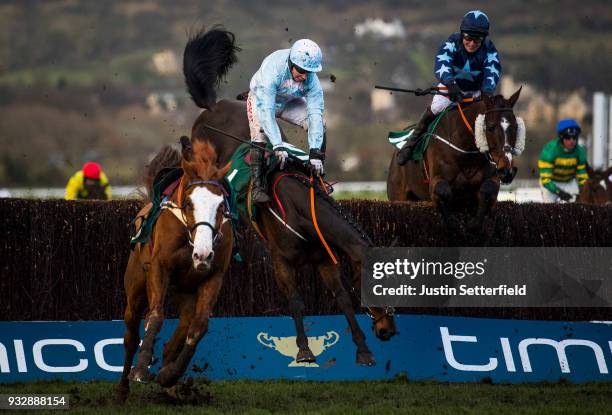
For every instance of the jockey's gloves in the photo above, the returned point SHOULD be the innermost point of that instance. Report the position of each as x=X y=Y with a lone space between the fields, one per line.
x=316 y=166
x=454 y=92
x=282 y=155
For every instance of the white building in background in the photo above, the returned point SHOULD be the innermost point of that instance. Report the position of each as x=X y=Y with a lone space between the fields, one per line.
x=378 y=28
x=166 y=63
x=159 y=103
x=381 y=100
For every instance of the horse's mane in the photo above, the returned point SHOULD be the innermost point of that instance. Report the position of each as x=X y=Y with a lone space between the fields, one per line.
x=334 y=204
x=166 y=157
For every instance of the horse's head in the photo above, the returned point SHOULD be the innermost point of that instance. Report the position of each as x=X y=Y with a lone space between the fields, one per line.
x=597 y=189
x=204 y=207
x=383 y=322
x=501 y=134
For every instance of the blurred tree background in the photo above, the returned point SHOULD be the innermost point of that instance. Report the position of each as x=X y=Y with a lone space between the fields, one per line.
x=82 y=80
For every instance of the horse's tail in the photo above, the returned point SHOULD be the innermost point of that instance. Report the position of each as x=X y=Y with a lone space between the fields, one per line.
x=208 y=57
x=166 y=157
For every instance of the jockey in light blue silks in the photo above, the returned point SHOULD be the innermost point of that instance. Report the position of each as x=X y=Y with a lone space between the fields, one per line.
x=466 y=64
x=286 y=86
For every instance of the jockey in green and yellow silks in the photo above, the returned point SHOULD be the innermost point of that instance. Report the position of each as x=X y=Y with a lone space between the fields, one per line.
x=562 y=164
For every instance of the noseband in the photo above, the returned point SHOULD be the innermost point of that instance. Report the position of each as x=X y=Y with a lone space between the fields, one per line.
x=388 y=312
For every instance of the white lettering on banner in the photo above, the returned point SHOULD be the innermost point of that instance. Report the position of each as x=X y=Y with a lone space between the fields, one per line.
x=99 y=354
x=560 y=346
x=22 y=367
x=40 y=363
x=447 y=340
x=523 y=345
x=507 y=354
x=4 y=363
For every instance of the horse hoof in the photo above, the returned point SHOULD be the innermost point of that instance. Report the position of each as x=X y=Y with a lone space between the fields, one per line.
x=365 y=359
x=141 y=376
x=184 y=394
x=305 y=356
x=121 y=394
x=167 y=376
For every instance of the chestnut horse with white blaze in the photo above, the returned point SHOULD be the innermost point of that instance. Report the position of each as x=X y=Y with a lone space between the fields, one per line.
x=190 y=248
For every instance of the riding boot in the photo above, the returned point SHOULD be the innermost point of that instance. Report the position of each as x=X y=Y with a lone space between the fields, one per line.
x=405 y=153
x=259 y=194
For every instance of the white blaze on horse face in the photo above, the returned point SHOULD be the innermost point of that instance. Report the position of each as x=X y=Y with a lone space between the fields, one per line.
x=504 y=125
x=205 y=205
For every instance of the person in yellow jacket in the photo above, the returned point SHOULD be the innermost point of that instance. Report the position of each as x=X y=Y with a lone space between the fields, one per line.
x=89 y=183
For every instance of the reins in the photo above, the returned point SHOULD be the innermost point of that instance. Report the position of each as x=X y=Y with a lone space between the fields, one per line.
x=313 y=213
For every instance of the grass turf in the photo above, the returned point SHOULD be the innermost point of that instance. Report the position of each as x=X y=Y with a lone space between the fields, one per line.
x=379 y=397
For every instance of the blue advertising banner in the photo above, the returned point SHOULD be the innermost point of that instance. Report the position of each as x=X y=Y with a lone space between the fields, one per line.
x=448 y=349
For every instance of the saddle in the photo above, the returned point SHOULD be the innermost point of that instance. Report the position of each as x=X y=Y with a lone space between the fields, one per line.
x=238 y=177
x=400 y=138
x=164 y=184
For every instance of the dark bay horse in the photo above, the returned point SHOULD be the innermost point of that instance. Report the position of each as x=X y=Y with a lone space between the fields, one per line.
x=597 y=190
x=293 y=241
x=190 y=248
x=465 y=160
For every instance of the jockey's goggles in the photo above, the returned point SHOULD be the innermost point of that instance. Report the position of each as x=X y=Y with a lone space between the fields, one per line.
x=472 y=37
x=570 y=134
x=298 y=69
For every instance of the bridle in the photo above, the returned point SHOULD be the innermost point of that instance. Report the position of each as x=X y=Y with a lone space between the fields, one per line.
x=387 y=312
x=216 y=232
x=506 y=148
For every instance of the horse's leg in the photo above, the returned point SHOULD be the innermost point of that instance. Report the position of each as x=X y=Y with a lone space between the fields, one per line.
x=175 y=344
x=487 y=195
x=156 y=291
x=207 y=298
x=284 y=273
x=442 y=197
x=331 y=277
x=136 y=303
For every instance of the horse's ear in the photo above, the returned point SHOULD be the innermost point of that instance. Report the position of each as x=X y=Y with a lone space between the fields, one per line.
x=187 y=150
x=515 y=97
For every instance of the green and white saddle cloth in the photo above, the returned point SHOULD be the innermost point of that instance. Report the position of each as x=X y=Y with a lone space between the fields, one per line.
x=239 y=174
x=399 y=138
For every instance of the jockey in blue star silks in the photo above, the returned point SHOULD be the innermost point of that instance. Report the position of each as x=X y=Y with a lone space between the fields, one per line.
x=466 y=64
x=286 y=86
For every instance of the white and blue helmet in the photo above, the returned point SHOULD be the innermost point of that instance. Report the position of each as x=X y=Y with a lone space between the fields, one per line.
x=307 y=55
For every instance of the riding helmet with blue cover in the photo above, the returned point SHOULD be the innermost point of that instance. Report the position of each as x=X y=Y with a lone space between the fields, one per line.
x=307 y=55
x=568 y=127
x=475 y=21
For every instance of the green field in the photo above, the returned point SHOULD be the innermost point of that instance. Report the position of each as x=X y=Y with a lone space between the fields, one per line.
x=380 y=397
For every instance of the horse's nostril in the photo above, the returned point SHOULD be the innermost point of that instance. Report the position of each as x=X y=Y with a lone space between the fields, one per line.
x=196 y=256
x=210 y=256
